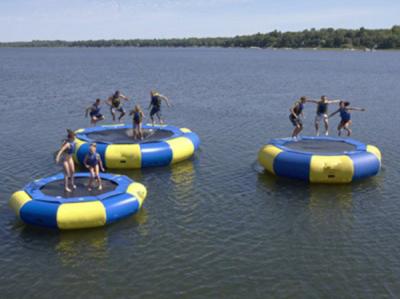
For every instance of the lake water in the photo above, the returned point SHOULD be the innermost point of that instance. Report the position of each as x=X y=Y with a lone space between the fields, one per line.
x=215 y=226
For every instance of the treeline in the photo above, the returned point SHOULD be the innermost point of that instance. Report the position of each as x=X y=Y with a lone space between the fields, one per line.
x=323 y=38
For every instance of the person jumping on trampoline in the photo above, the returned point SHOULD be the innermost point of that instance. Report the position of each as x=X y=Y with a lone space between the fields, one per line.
x=322 y=113
x=116 y=105
x=138 y=116
x=345 y=122
x=67 y=150
x=155 y=105
x=94 y=112
x=93 y=162
x=296 y=113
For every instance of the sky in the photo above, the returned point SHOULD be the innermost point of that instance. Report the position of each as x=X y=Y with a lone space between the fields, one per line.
x=25 y=20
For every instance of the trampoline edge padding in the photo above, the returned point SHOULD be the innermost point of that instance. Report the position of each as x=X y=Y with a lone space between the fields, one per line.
x=36 y=208
x=178 y=145
x=325 y=166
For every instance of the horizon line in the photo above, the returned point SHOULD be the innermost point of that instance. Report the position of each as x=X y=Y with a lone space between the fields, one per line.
x=197 y=37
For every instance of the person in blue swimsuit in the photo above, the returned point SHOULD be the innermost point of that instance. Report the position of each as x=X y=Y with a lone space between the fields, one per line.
x=155 y=105
x=94 y=112
x=93 y=162
x=116 y=104
x=67 y=150
x=322 y=113
x=296 y=113
x=345 y=116
x=138 y=116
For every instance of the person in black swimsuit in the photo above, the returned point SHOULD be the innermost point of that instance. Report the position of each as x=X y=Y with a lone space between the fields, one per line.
x=137 y=118
x=116 y=105
x=296 y=112
x=155 y=105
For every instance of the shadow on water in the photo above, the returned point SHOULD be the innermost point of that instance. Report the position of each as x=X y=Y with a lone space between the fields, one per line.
x=181 y=175
x=340 y=195
x=175 y=170
x=170 y=188
x=70 y=245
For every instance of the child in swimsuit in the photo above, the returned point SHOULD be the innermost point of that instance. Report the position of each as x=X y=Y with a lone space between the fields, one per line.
x=116 y=105
x=296 y=112
x=345 y=116
x=155 y=105
x=94 y=112
x=67 y=150
x=138 y=116
x=93 y=162
x=322 y=113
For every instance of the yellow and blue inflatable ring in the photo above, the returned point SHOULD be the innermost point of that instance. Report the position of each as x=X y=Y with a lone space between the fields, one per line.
x=320 y=159
x=173 y=145
x=35 y=206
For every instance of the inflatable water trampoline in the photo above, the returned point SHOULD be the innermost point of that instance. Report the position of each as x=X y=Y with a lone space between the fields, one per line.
x=161 y=146
x=45 y=203
x=320 y=159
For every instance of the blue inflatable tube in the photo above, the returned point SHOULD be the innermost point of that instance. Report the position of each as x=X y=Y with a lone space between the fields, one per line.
x=44 y=203
x=163 y=145
x=320 y=159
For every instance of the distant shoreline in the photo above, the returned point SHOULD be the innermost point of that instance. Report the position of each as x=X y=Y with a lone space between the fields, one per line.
x=216 y=47
x=322 y=39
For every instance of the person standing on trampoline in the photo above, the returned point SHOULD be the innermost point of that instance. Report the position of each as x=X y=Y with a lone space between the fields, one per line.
x=138 y=116
x=93 y=162
x=67 y=150
x=155 y=105
x=322 y=113
x=345 y=122
x=296 y=113
x=116 y=105
x=94 y=112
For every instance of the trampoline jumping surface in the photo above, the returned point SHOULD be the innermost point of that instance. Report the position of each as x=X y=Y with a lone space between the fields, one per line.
x=125 y=136
x=319 y=146
x=56 y=188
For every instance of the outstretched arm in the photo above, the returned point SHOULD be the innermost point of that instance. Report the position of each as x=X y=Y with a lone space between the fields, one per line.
x=122 y=96
x=356 y=109
x=165 y=99
x=62 y=149
x=332 y=114
x=333 y=101
x=87 y=111
x=312 y=101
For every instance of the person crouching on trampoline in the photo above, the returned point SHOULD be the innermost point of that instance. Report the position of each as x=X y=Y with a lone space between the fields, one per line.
x=296 y=113
x=94 y=112
x=67 y=150
x=155 y=105
x=138 y=116
x=93 y=162
x=322 y=113
x=345 y=122
x=116 y=105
